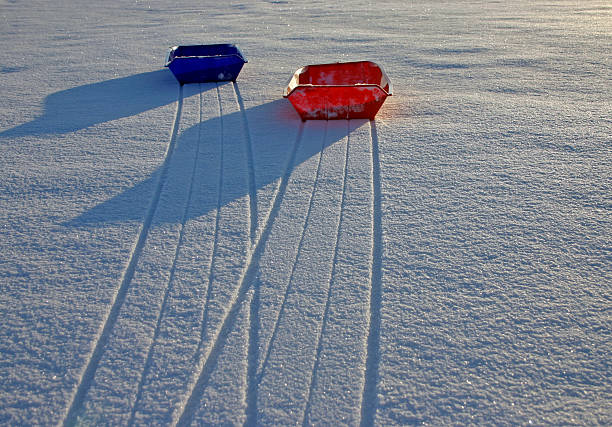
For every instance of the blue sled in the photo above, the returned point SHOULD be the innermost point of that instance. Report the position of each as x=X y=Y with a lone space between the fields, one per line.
x=205 y=63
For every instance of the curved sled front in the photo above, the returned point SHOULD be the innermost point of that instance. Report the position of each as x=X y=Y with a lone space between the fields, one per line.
x=349 y=90
x=205 y=63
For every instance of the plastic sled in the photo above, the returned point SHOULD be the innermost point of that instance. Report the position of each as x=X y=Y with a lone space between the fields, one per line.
x=349 y=90
x=205 y=63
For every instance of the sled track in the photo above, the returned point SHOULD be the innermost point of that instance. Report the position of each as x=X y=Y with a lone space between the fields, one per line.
x=250 y=164
x=148 y=361
x=218 y=324
x=215 y=247
x=128 y=273
x=369 y=400
x=206 y=366
x=306 y=415
x=252 y=359
x=297 y=256
x=253 y=378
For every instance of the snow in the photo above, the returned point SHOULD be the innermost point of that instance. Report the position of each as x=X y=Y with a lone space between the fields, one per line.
x=198 y=255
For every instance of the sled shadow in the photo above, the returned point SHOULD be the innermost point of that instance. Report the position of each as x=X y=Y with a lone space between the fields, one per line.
x=83 y=106
x=273 y=128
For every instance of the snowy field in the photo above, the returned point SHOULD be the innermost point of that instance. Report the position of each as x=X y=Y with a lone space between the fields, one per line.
x=198 y=255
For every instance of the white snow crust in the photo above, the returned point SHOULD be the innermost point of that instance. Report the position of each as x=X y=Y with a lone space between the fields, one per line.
x=197 y=255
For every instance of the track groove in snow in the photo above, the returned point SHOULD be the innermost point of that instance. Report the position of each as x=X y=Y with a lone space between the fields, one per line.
x=275 y=328
x=119 y=298
x=215 y=244
x=338 y=371
x=334 y=264
x=147 y=365
x=232 y=247
x=189 y=405
x=115 y=384
x=253 y=217
x=253 y=351
x=174 y=353
x=370 y=401
x=253 y=357
x=291 y=354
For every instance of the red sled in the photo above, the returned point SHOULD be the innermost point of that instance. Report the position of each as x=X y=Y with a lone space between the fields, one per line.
x=340 y=91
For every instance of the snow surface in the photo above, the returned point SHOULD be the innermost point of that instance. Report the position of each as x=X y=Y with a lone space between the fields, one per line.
x=198 y=255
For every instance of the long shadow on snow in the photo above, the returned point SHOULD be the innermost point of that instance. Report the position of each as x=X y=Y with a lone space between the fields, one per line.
x=274 y=129
x=83 y=106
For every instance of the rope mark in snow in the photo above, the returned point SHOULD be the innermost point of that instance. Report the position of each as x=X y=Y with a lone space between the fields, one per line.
x=148 y=361
x=209 y=360
x=128 y=273
x=369 y=400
